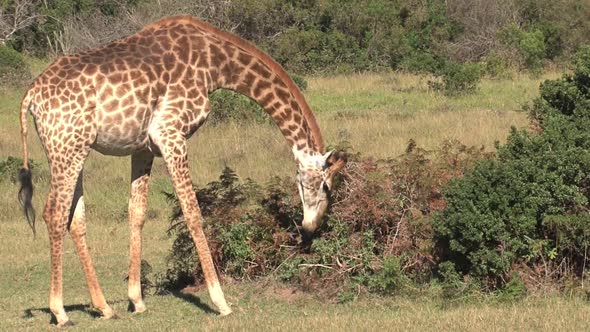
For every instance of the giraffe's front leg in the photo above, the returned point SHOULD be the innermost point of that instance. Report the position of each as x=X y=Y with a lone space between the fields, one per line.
x=141 y=165
x=174 y=150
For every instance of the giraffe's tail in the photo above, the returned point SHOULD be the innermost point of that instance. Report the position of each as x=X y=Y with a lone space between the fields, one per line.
x=25 y=194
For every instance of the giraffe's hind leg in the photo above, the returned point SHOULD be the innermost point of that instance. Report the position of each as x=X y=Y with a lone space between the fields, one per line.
x=141 y=166
x=77 y=227
x=65 y=167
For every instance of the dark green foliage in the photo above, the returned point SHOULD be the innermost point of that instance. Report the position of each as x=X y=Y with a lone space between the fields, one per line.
x=570 y=236
x=501 y=213
x=311 y=51
x=531 y=45
x=51 y=16
x=533 y=49
x=10 y=168
x=338 y=36
x=14 y=71
x=457 y=79
x=495 y=66
x=455 y=286
x=227 y=106
x=513 y=290
x=390 y=278
x=300 y=81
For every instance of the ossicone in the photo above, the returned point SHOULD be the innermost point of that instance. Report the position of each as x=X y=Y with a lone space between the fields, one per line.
x=334 y=161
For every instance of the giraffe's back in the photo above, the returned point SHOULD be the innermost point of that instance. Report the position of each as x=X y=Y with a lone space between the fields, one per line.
x=115 y=90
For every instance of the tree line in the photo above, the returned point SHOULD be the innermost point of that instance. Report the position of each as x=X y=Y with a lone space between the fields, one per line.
x=318 y=36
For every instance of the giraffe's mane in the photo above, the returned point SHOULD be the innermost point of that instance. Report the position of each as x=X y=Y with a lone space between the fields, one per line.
x=264 y=58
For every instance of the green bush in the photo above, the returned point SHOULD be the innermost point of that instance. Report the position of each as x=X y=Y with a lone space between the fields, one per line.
x=456 y=79
x=334 y=35
x=228 y=106
x=529 y=44
x=455 y=286
x=501 y=213
x=422 y=62
x=513 y=290
x=14 y=71
x=300 y=81
x=10 y=168
x=390 y=278
x=532 y=47
x=495 y=66
x=309 y=51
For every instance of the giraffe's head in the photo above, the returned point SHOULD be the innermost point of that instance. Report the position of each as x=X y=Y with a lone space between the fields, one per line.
x=315 y=178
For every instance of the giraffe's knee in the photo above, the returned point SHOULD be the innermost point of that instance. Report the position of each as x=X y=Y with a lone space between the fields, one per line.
x=56 y=224
x=77 y=229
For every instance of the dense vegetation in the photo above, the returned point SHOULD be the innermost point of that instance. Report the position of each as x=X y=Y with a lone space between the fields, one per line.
x=313 y=36
x=529 y=206
x=377 y=235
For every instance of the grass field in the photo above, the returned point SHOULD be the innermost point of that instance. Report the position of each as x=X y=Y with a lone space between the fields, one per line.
x=257 y=306
x=376 y=114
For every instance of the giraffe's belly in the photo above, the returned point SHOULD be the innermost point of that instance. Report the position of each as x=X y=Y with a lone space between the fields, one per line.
x=121 y=137
x=111 y=142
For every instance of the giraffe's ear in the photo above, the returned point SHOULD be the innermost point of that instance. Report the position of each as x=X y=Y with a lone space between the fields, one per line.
x=334 y=162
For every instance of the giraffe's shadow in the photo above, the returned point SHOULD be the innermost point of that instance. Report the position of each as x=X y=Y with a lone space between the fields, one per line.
x=86 y=308
x=195 y=300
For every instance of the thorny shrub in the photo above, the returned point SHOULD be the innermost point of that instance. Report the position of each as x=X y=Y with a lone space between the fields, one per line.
x=377 y=236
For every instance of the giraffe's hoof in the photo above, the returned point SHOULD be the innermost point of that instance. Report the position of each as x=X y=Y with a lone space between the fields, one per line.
x=65 y=324
x=138 y=307
x=112 y=315
x=107 y=313
x=224 y=312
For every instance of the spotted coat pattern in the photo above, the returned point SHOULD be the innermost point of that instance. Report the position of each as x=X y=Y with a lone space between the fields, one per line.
x=144 y=96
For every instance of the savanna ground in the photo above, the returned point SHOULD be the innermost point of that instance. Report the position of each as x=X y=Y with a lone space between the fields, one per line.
x=375 y=114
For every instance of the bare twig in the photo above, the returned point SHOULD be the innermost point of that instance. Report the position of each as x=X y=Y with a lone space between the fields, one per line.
x=584 y=265
x=317 y=265
x=283 y=262
x=16 y=18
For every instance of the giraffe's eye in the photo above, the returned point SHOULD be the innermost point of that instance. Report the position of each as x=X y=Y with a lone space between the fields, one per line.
x=325 y=187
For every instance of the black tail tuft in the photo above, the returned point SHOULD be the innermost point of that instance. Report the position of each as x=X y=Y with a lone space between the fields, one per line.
x=25 y=196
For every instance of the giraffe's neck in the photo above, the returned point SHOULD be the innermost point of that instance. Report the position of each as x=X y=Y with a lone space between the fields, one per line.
x=255 y=80
x=239 y=66
x=268 y=90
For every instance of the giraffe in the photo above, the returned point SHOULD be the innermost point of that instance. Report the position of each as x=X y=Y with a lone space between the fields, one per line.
x=144 y=96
